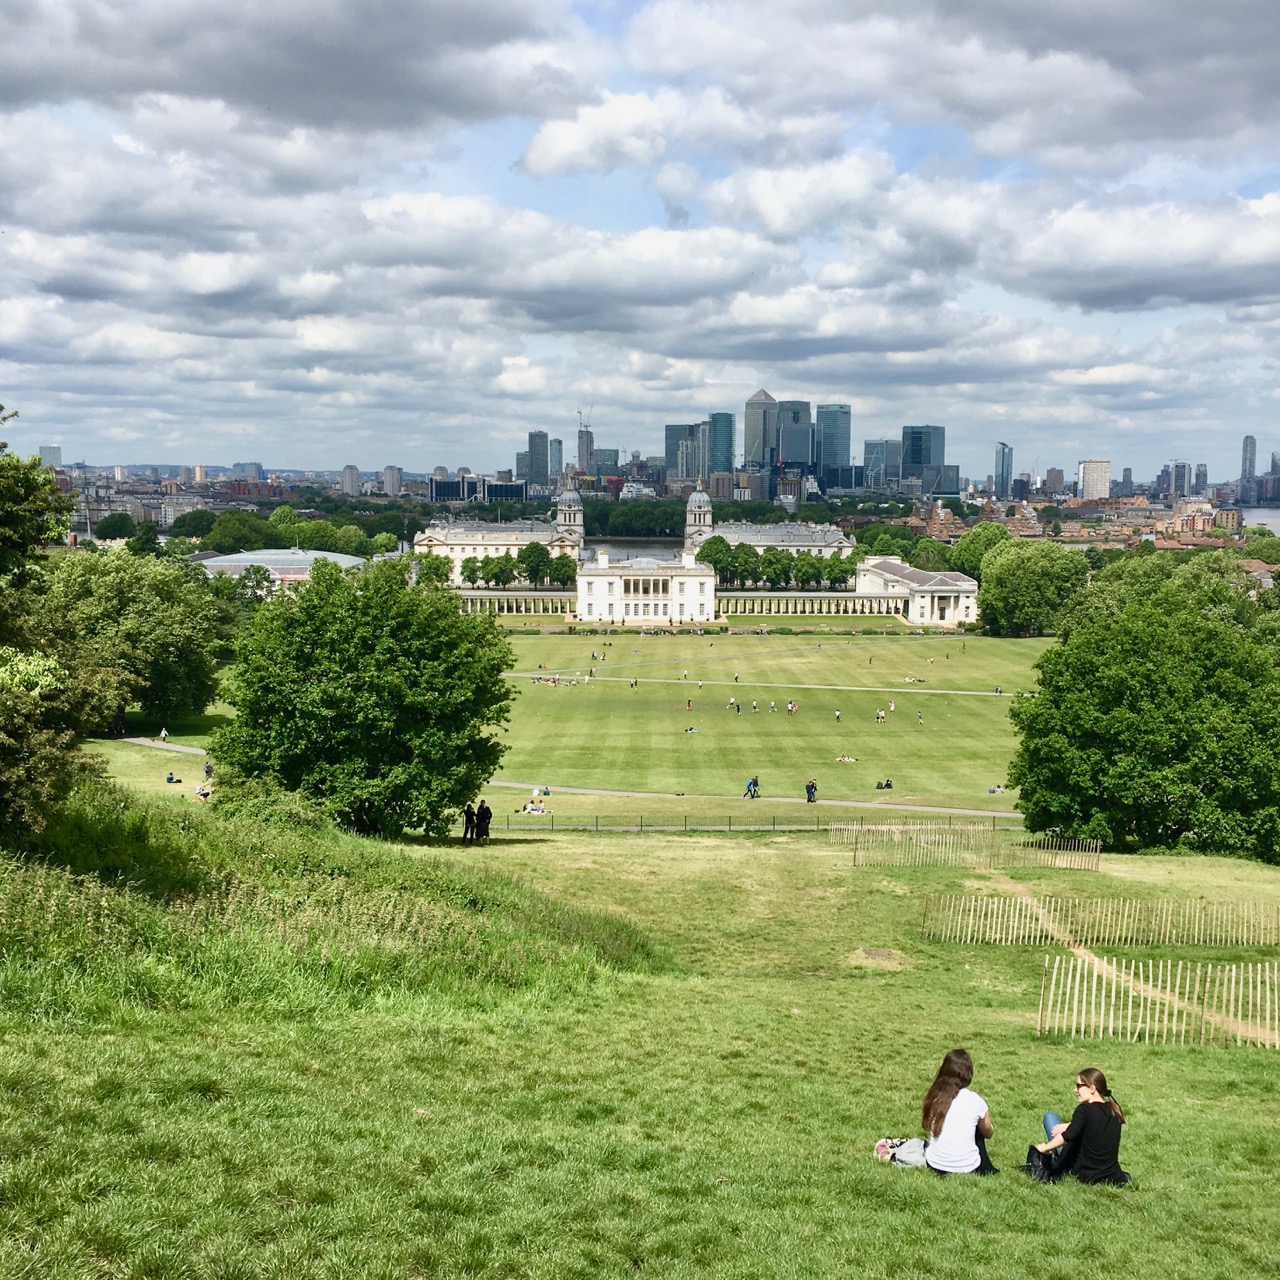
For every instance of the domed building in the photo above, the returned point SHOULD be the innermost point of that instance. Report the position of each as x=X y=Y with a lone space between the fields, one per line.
x=818 y=539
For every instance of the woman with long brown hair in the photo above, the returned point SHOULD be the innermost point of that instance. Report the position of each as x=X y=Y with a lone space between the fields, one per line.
x=957 y=1120
x=1090 y=1142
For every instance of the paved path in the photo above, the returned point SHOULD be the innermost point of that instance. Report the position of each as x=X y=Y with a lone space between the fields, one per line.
x=911 y=687
x=848 y=804
x=165 y=746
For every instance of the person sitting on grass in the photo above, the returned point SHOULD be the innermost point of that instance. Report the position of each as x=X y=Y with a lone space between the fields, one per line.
x=957 y=1120
x=170 y=778
x=1090 y=1142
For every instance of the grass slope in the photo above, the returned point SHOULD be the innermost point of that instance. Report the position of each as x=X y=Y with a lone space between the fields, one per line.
x=693 y=1094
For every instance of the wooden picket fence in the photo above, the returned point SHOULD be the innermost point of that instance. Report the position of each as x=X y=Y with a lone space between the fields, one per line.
x=1161 y=1001
x=1100 y=922
x=936 y=844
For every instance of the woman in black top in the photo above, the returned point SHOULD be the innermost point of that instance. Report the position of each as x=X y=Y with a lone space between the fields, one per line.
x=1090 y=1143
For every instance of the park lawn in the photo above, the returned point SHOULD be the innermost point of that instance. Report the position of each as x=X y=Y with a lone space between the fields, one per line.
x=714 y=1116
x=604 y=733
x=144 y=768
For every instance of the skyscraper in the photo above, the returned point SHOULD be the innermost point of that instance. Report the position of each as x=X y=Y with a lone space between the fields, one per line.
x=538 y=459
x=1180 y=485
x=392 y=481
x=586 y=448
x=881 y=464
x=1249 y=471
x=923 y=447
x=722 y=430
x=350 y=479
x=1094 y=478
x=1055 y=481
x=834 y=436
x=795 y=433
x=760 y=432
x=1202 y=475
x=555 y=458
x=1002 y=480
x=676 y=434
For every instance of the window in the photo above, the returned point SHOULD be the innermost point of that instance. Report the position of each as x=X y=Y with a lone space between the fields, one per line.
x=610 y=586
x=590 y=588
x=589 y=608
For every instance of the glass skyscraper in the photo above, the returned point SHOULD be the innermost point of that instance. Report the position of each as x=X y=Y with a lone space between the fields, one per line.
x=834 y=436
x=1003 y=478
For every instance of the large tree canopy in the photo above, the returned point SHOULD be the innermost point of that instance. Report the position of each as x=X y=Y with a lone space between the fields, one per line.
x=973 y=544
x=1158 y=715
x=1026 y=586
x=149 y=618
x=372 y=695
x=32 y=514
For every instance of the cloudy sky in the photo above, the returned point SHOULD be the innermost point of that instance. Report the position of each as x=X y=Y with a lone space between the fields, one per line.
x=331 y=231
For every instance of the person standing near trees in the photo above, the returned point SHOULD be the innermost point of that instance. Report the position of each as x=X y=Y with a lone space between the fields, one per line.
x=469 y=822
x=484 y=816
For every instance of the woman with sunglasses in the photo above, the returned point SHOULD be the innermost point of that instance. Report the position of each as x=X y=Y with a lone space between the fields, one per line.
x=1090 y=1142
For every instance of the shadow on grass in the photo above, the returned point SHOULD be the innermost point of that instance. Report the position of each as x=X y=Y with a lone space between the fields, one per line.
x=138 y=725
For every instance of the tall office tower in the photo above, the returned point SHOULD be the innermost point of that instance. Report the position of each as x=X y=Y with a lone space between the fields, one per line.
x=795 y=433
x=1002 y=480
x=923 y=448
x=350 y=480
x=1164 y=481
x=1202 y=475
x=1249 y=472
x=881 y=464
x=202 y=473
x=1181 y=480
x=1055 y=481
x=760 y=432
x=604 y=462
x=185 y=475
x=555 y=458
x=538 y=459
x=834 y=436
x=586 y=448
x=522 y=465
x=51 y=456
x=393 y=481
x=121 y=474
x=1094 y=478
x=676 y=434
x=1125 y=487
x=722 y=431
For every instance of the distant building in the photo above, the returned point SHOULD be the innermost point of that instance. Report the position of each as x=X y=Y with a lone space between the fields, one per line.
x=795 y=433
x=1002 y=477
x=661 y=592
x=555 y=459
x=392 y=481
x=539 y=458
x=722 y=431
x=247 y=471
x=1248 y=471
x=760 y=433
x=881 y=465
x=1181 y=481
x=1094 y=478
x=819 y=539
x=350 y=483
x=586 y=451
x=604 y=462
x=1055 y=480
x=284 y=566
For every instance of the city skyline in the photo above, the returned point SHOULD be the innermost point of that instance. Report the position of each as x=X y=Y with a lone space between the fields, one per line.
x=312 y=236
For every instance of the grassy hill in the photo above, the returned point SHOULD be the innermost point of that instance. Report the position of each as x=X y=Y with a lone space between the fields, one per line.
x=230 y=1051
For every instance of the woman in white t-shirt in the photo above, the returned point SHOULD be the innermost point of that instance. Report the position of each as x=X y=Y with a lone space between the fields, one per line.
x=957 y=1120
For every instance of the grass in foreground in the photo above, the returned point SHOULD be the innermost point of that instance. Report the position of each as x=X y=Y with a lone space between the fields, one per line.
x=703 y=1102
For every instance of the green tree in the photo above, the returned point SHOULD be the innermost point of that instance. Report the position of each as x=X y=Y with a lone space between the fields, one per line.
x=840 y=569
x=1155 y=722
x=716 y=552
x=372 y=696
x=472 y=570
x=502 y=569
x=235 y=531
x=777 y=565
x=808 y=570
x=149 y=619
x=929 y=553
x=1266 y=549
x=1055 y=529
x=564 y=571
x=32 y=514
x=433 y=570
x=746 y=563
x=383 y=543
x=146 y=542
x=116 y=524
x=971 y=546
x=284 y=517
x=193 y=524
x=1026 y=585
x=314 y=535
x=534 y=561
x=351 y=541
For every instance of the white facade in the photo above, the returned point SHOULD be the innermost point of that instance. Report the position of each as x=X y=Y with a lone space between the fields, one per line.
x=931 y=599
x=646 y=592
x=1094 y=479
x=459 y=540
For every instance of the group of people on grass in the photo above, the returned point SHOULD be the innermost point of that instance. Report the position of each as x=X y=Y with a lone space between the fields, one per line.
x=958 y=1122
x=475 y=822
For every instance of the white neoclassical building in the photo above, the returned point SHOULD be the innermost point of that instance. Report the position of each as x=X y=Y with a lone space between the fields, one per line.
x=647 y=591
x=459 y=540
x=819 y=539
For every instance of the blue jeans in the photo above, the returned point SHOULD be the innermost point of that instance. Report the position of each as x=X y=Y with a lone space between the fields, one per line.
x=1050 y=1119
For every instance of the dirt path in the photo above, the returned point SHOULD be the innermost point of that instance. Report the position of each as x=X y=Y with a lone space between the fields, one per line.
x=1231 y=1026
x=164 y=746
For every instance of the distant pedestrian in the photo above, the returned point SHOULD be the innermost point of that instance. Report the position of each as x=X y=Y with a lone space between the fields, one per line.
x=688 y=706
x=891 y=706
x=837 y=715
x=484 y=816
x=469 y=822
x=773 y=706
x=208 y=770
x=919 y=717
x=735 y=677
x=164 y=733
x=738 y=708
x=755 y=706
x=686 y=675
x=733 y=702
